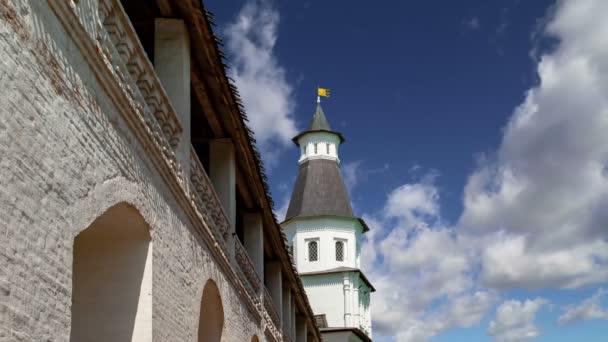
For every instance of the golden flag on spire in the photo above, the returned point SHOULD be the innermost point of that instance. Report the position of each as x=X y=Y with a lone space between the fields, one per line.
x=323 y=92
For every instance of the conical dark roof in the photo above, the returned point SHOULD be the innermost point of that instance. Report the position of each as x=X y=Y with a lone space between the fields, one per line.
x=319 y=190
x=318 y=123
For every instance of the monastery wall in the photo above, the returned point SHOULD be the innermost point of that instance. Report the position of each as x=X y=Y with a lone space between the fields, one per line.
x=67 y=155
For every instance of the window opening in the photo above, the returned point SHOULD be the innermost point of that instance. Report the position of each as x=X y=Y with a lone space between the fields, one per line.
x=313 y=251
x=339 y=251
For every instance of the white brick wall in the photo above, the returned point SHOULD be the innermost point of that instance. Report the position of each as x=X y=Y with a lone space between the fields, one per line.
x=66 y=156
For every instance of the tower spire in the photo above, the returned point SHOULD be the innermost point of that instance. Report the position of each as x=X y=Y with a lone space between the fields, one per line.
x=325 y=234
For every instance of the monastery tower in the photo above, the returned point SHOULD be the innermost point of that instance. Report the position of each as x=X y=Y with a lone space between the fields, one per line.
x=324 y=236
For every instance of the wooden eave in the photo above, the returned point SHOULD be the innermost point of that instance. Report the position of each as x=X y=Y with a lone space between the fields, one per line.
x=227 y=119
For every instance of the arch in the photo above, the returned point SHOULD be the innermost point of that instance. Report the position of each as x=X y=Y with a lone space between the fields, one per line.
x=255 y=339
x=112 y=278
x=211 y=320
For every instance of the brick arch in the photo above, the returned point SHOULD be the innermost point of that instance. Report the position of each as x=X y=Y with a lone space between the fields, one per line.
x=103 y=197
x=112 y=278
x=211 y=318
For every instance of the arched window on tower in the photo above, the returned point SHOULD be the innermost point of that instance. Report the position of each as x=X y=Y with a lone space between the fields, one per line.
x=313 y=251
x=339 y=251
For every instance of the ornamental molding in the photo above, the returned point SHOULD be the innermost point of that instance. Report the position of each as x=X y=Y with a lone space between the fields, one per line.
x=106 y=39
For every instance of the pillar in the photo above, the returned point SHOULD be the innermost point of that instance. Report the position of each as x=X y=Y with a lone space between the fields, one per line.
x=356 y=313
x=293 y=317
x=286 y=310
x=347 y=300
x=172 y=65
x=254 y=240
x=301 y=329
x=222 y=172
x=274 y=283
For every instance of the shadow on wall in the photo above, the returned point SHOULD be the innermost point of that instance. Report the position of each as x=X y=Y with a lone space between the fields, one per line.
x=112 y=279
x=211 y=320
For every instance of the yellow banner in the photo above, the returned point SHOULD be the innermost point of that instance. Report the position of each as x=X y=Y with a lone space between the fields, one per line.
x=323 y=92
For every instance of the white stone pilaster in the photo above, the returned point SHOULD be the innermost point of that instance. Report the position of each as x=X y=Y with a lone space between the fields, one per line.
x=254 y=240
x=222 y=172
x=293 y=318
x=301 y=329
x=347 y=300
x=356 y=313
x=172 y=65
x=274 y=283
x=287 y=311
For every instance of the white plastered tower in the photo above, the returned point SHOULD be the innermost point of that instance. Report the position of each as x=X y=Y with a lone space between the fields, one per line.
x=324 y=235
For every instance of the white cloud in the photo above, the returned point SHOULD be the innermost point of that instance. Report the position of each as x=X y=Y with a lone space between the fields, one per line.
x=421 y=270
x=464 y=312
x=260 y=79
x=514 y=320
x=542 y=201
x=590 y=309
x=352 y=173
x=534 y=217
x=281 y=211
x=355 y=173
x=414 y=204
x=473 y=23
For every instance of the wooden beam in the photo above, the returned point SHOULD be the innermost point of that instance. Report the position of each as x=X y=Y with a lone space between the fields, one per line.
x=243 y=188
x=201 y=94
x=165 y=8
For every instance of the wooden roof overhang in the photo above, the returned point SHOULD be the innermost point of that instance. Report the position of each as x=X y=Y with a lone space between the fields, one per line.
x=227 y=119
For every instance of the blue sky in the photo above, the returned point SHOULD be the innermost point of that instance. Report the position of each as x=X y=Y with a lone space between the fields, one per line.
x=476 y=148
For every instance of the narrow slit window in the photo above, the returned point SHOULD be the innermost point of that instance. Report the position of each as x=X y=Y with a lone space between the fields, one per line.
x=339 y=251
x=316 y=148
x=327 y=147
x=305 y=148
x=313 y=251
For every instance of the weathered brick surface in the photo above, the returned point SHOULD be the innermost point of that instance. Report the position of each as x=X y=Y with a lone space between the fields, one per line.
x=65 y=157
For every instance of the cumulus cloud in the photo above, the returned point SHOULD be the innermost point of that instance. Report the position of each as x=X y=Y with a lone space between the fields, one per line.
x=542 y=200
x=533 y=217
x=413 y=204
x=281 y=211
x=590 y=309
x=261 y=80
x=351 y=172
x=514 y=320
x=422 y=272
x=355 y=173
x=472 y=23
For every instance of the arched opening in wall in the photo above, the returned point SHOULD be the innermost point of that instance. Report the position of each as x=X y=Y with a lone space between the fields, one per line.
x=211 y=321
x=255 y=339
x=112 y=279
